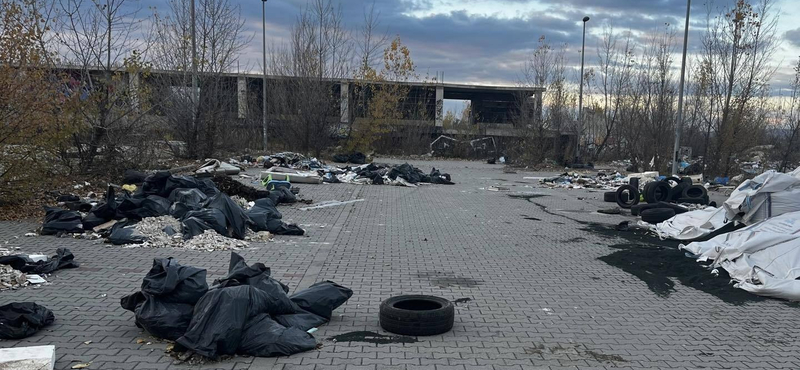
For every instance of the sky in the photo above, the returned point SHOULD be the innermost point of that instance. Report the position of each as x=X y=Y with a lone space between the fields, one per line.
x=487 y=41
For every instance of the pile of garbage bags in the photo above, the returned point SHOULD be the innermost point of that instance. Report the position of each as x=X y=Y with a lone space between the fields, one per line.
x=247 y=312
x=380 y=174
x=196 y=202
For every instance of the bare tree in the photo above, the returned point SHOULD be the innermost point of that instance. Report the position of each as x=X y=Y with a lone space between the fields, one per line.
x=318 y=56
x=738 y=48
x=615 y=75
x=98 y=38
x=787 y=134
x=204 y=123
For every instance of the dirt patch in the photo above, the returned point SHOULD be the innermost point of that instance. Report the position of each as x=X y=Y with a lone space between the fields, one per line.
x=605 y=358
x=462 y=300
x=372 y=337
x=444 y=279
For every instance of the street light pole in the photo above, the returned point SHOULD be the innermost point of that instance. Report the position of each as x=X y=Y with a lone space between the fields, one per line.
x=194 y=70
x=580 y=93
x=679 y=123
x=264 y=80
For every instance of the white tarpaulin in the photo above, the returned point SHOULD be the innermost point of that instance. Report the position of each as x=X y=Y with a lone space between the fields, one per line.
x=691 y=225
x=767 y=195
x=763 y=258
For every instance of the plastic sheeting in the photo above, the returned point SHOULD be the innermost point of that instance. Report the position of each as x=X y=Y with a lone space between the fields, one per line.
x=691 y=225
x=763 y=258
x=767 y=195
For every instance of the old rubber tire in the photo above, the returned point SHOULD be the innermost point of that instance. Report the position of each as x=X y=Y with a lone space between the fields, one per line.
x=656 y=191
x=417 y=315
x=677 y=192
x=657 y=215
x=695 y=192
x=629 y=199
x=610 y=197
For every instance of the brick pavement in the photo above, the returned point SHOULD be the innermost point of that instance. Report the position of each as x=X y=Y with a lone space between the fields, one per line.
x=539 y=298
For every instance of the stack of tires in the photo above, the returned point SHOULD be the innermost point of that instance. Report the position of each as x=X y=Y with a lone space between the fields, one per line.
x=660 y=196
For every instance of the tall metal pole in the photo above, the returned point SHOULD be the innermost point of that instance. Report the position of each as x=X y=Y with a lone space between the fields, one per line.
x=580 y=93
x=679 y=123
x=194 y=70
x=264 y=80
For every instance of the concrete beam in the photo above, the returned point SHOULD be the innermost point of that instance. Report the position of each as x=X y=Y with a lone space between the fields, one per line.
x=344 y=97
x=241 y=89
x=439 y=106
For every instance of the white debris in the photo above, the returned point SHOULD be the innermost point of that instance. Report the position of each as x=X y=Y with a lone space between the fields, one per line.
x=330 y=203
x=210 y=240
x=261 y=236
x=10 y=278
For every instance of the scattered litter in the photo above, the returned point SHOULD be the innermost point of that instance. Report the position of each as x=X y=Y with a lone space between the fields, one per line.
x=372 y=337
x=82 y=365
x=331 y=203
x=87 y=342
x=35 y=279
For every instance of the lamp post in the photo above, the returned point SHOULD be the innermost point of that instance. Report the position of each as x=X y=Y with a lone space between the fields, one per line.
x=264 y=80
x=580 y=92
x=194 y=70
x=679 y=122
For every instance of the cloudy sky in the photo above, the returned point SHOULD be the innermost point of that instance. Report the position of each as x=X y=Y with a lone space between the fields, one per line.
x=486 y=41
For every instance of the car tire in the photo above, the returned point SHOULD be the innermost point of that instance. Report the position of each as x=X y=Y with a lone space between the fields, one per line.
x=629 y=199
x=656 y=191
x=417 y=315
x=695 y=192
x=657 y=215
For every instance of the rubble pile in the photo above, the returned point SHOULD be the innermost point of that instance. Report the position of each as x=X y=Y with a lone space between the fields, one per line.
x=10 y=278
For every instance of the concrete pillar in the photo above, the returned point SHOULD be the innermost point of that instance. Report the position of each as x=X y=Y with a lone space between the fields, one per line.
x=134 y=84
x=538 y=98
x=344 y=104
x=241 y=89
x=439 y=106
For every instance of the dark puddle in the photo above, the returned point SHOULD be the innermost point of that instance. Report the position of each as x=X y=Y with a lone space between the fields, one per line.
x=372 y=337
x=658 y=263
x=574 y=240
x=462 y=300
x=448 y=279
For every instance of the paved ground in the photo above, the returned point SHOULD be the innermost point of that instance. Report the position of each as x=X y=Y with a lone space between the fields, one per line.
x=539 y=298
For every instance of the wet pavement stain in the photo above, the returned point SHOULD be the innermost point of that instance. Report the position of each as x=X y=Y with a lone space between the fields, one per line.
x=526 y=196
x=372 y=337
x=448 y=279
x=574 y=240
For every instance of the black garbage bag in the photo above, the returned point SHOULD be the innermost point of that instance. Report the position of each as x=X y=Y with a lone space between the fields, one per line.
x=154 y=206
x=180 y=182
x=220 y=318
x=407 y=172
x=191 y=197
x=60 y=220
x=165 y=305
x=175 y=283
x=80 y=205
x=258 y=276
x=279 y=227
x=155 y=183
x=302 y=320
x=68 y=198
x=263 y=337
x=123 y=232
x=262 y=212
x=341 y=158
x=436 y=177
x=91 y=221
x=196 y=222
x=322 y=298
x=235 y=216
x=161 y=319
x=21 y=320
x=282 y=195
x=358 y=158
x=133 y=177
x=64 y=259
x=107 y=210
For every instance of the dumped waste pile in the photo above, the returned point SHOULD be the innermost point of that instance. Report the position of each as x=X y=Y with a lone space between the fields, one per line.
x=167 y=210
x=755 y=235
x=294 y=167
x=246 y=313
x=585 y=181
x=20 y=270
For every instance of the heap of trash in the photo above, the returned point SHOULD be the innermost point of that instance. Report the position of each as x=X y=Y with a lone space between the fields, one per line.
x=247 y=312
x=284 y=168
x=754 y=236
x=21 y=270
x=585 y=181
x=167 y=210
